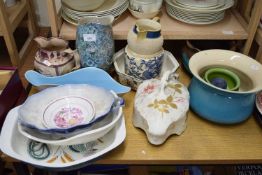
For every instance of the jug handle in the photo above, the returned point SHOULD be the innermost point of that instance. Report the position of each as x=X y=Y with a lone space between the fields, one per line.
x=157 y=19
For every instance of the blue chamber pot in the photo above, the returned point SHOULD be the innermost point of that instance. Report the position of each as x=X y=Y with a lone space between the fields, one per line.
x=220 y=106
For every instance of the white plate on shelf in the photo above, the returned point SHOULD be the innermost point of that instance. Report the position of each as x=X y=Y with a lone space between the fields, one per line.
x=73 y=18
x=198 y=16
x=108 y=6
x=220 y=5
x=76 y=16
x=21 y=148
x=173 y=4
x=195 y=17
x=195 y=21
x=200 y=4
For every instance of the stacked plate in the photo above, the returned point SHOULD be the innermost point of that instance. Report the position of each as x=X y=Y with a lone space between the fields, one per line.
x=109 y=7
x=198 y=12
x=64 y=126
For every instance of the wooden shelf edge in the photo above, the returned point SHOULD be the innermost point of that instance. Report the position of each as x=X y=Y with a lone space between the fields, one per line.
x=17 y=13
x=258 y=36
x=68 y=31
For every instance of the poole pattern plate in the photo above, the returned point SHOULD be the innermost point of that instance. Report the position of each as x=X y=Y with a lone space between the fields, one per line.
x=55 y=156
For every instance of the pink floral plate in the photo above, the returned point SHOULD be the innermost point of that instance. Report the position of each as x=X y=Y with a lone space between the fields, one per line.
x=67 y=112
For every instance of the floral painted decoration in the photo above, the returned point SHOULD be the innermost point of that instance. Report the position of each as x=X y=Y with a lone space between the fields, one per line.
x=163 y=105
x=68 y=117
x=62 y=154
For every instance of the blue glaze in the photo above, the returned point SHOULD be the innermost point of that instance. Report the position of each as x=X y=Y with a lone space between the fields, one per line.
x=219 y=82
x=98 y=50
x=144 y=69
x=149 y=34
x=219 y=106
x=185 y=62
x=89 y=75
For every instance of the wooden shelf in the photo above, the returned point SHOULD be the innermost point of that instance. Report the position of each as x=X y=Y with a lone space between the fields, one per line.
x=227 y=29
x=16 y=13
x=10 y=18
x=258 y=39
x=202 y=142
x=259 y=36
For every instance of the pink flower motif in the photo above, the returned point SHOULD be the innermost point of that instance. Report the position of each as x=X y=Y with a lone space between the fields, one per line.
x=149 y=89
x=68 y=117
x=179 y=100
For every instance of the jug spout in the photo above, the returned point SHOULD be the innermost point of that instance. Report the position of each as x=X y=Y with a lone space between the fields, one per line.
x=146 y=28
x=51 y=44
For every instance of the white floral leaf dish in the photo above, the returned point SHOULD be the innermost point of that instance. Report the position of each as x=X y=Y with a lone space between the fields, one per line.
x=89 y=75
x=160 y=108
x=61 y=109
x=56 y=156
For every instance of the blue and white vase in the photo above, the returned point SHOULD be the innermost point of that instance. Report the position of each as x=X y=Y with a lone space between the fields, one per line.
x=94 y=41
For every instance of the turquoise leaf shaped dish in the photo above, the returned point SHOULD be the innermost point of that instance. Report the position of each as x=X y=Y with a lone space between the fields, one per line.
x=89 y=75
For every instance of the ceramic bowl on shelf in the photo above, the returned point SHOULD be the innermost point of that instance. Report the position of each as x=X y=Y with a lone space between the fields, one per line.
x=99 y=129
x=145 y=6
x=222 y=105
x=169 y=64
x=222 y=78
x=142 y=15
x=56 y=157
x=86 y=5
x=67 y=108
x=193 y=46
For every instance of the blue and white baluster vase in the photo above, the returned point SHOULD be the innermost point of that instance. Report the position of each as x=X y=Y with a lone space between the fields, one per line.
x=94 y=41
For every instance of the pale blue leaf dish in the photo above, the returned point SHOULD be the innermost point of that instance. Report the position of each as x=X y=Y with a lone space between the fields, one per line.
x=89 y=75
